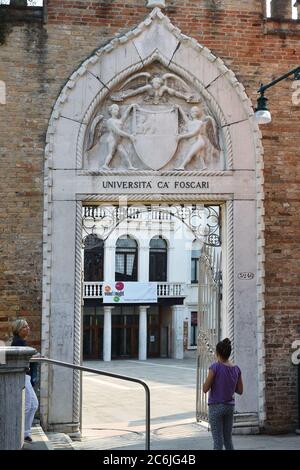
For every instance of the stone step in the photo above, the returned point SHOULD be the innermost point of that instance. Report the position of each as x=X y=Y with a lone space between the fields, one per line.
x=39 y=440
x=48 y=441
x=60 y=441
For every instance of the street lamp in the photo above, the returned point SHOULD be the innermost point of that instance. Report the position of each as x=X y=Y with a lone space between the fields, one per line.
x=262 y=114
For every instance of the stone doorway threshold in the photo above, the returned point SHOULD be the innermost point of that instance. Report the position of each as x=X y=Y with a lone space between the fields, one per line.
x=48 y=441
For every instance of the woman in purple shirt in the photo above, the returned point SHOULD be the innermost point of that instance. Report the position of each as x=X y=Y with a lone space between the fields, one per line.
x=224 y=380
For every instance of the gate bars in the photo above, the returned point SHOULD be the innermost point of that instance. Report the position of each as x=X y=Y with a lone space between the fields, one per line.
x=209 y=290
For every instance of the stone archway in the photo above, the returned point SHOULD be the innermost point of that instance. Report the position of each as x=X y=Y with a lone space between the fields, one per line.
x=69 y=181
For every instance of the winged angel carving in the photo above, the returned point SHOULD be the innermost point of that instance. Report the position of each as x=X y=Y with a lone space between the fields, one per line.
x=200 y=129
x=157 y=89
x=115 y=130
x=155 y=120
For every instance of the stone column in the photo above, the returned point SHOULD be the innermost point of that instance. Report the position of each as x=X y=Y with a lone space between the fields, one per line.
x=14 y=362
x=143 y=333
x=107 y=334
x=178 y=312
x=109 y=263
x=144 y=263
x=60 y=408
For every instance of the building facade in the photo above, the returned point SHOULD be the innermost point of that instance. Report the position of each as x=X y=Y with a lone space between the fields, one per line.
x=145 y=245
x=106 y=104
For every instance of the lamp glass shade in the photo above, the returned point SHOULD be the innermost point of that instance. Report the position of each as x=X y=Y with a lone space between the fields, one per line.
x=263 y=116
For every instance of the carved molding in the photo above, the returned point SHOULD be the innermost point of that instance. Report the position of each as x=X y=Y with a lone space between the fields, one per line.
x=230 y=272
x=203 y=174
x=155 y=197
x=260 y=277
x=77 y=315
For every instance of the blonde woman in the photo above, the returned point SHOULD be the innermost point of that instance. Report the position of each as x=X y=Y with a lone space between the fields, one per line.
x=20 y=331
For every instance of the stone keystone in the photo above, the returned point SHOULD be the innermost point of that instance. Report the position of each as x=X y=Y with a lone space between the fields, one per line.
x=156 y=3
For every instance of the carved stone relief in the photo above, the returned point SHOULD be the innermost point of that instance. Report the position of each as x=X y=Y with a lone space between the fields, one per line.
x=155 y=120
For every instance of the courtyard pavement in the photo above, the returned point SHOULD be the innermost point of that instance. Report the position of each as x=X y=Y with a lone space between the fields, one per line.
x=114 y=411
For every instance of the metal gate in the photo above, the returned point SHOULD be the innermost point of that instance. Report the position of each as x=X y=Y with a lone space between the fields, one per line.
x=209 y=298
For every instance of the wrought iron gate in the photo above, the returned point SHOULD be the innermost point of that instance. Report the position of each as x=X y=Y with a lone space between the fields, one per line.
x=209 y=298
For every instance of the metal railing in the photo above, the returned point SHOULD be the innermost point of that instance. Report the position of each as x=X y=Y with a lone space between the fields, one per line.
x=107 y=374
x=208 y=322
x=170 y=289
x=123 y=213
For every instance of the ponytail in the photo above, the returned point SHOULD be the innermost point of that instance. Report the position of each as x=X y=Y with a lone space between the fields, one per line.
x=223 y=348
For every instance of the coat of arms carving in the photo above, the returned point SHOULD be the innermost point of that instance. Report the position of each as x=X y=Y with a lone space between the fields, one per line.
x=154 y=121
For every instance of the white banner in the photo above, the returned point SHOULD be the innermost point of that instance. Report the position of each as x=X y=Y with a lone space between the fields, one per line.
x=129 y=292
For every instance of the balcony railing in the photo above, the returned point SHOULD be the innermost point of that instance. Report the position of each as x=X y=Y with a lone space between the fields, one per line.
x=170 y=289
x=93 y=290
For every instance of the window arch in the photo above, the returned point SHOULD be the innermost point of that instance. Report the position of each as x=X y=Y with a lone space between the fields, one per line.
x=93 y=258
x=195 y=255
x=126 y=259
x=158 y=259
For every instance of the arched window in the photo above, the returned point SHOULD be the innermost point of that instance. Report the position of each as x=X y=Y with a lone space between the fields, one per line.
x=158 y=261
x=196 y=249
x=93 y=258
x=126 y=259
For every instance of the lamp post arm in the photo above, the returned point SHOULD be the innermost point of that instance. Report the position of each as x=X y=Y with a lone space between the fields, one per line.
x=295 y=71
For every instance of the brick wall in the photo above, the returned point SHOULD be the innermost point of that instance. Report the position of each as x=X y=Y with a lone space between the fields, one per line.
x=36 y=61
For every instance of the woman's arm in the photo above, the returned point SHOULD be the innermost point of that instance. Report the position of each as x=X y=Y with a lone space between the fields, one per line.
x=239 y=386
x=209 y=381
